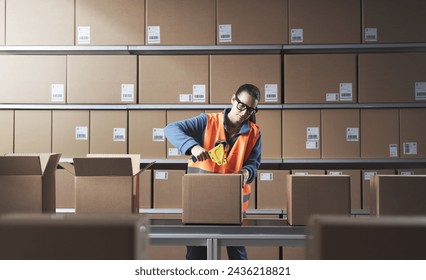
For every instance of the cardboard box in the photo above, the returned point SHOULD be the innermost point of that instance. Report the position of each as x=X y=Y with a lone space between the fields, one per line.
x=317 y=194
x=324 y=22
x=320 y=78
x=146 y=133
x=272 y=189
x=2 y=21
x=414 y=171
x=73 y=237
x=116 y=22
x=167 y=188
x=268 y=22
x=33 y=79
x=106 y=184
x=397 y=195
x=174 y=116
x=301 y=133
x=307 y=172
x=355 y=185
x=229 y=72
x=27 y=183
x=184 y=22
x=102 y=79
x=349 y=238
x=269 y=122
x=293 y=253
x=33 y=131
x=173 y=79
x=412 y=133
x=393 y=21
x=108 y=132
x=145 y=189
x=65 y=190
x=40 y=23
x=6 y=131
x=391 y=77
x=340 y=133
x=379 y=133
x=366 y=176
x=70 y=133
x=212 y=199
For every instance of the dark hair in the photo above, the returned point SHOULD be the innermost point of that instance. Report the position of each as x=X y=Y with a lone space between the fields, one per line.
x=254 y=92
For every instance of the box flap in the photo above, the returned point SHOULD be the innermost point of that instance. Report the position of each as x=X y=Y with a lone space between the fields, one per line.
x=68 y=167
x=134 y=158
x=20 y=165
x=47 y=160
x=95 y=166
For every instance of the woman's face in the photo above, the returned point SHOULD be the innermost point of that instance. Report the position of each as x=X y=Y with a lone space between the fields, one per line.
x=243 y=105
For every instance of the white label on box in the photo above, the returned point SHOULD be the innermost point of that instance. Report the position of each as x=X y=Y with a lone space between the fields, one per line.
x=271 y=92
x=335 y=173
x=83 y=35
x=296 y=35
x=158 y=135
x=393 y=150
x=225 y=33
x=173 y=152
x=420 y=91
x=346 y=92
x=410 y=148
x=199 y=93
x=161 y=175
x=352 y=134
x=119 y=134
x=367 y=175
x=266 y=176
x=407 y=173
x=370 y=34
x=153 y=34
x=58 y=92
x=81 y=133
x=312 y=145
x=127 y=92
x=312 y=133
x=301 y=173
x=185 y=97
x=330 y=97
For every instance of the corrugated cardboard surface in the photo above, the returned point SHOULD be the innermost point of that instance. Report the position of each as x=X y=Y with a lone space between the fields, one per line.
x=355 y=185
x=6 y=131
x=272 y=189
x=141 y=133
x=267 y=24
x=167 y=188
x=115 y=22
x=294 y=130
x=184 y=22
x=2 y=21
x=326 y=21
x=308 y=78
x=396 y=21
x=33 y=133
x=317 y=194
x=348 y=238
x=20 y=194
x=390 y=77
x=398 y=195
x=145 y=189
x=366 y=184
x=379 y=129
x=212 y=198
x=102 y=125
x=65 y=191
x=174 y=116
x=72 y=237
x=294 y=253
x=334 y=125
x=64 y=138
x=229 y=72
x=98 y=79
x=412 y=131
x=29 y=78
x=163 y=78
x=43 y=22
x=269 y=122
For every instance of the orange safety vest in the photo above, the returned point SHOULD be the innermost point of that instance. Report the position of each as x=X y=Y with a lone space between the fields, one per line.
x=239 y=153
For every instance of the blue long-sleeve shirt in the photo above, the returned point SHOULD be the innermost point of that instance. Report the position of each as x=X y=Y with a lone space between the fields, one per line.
x=187 y=133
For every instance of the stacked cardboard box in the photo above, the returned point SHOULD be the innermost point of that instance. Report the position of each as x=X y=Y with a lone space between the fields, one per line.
x=355 y=185
x=33 y=131
x=412 y=134
x=6 y=130
x=167 y=188
x=366 y=181
x=272 y=190
x=269 y=122
x=145 y=189
x=65 y=190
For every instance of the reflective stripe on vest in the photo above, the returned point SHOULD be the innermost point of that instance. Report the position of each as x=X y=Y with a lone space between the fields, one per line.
x=239 y=153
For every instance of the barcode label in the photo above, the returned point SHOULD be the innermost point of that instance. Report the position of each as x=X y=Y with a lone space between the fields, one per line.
x=81 y=133
x=330 y=97
x=301 y=173
x=368 y=174
x=158 y=135
x=173 y=152
x=370 y=34
x=393 y=150
x=296 y=35
x=225 y=33
x=271 y=93
x=420 y=90
x=119 y=135
x=410 y=148
x=266 y=176
x=83 y=35
x=199 y=93
x=345 y=92
x=161 y=175
x=407 y=173
x=153 y=34
x=312 y=145
x=335 y=173
x=352 y=134
x=185 y=97
x=127 y=93
x=57 y=93
x=312 y=133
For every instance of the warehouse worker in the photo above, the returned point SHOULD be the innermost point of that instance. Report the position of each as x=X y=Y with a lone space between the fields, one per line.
x=236 y=125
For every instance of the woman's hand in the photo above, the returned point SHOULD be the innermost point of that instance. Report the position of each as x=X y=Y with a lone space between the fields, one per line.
x=200 y=153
